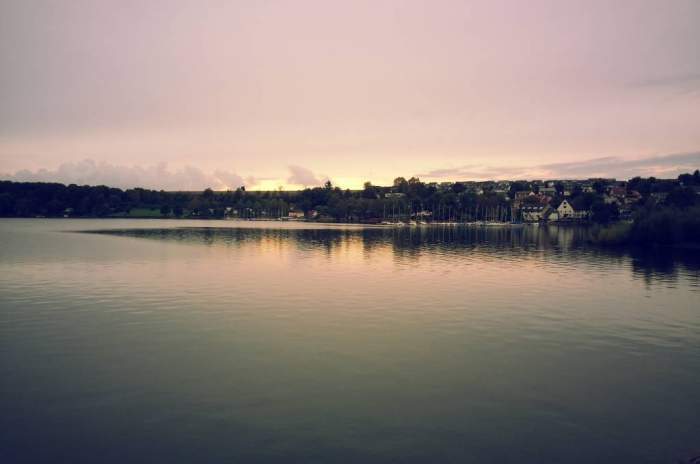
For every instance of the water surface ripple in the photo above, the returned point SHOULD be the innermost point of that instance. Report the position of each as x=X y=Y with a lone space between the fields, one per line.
x=194 y=341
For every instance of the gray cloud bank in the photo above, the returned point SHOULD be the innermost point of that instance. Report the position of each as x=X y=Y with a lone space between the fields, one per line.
x=159 y=176
x=659 y=166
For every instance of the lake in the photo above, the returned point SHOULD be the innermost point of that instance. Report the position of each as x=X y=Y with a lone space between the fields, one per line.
x=129 y=341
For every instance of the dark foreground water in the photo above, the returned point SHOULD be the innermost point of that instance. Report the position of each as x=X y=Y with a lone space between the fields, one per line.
x=149 y=342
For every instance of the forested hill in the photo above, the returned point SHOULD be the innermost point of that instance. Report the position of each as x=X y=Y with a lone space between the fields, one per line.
x=405 y=199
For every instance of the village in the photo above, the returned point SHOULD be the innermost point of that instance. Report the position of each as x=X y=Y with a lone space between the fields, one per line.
x=503 y=202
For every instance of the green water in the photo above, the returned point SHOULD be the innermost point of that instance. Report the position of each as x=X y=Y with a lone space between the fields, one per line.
x=193 y=341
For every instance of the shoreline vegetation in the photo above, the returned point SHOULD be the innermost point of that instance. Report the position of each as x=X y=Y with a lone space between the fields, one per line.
x=639 y=211
x=656 y=226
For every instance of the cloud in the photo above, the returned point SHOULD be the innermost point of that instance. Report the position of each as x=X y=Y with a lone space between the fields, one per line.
x=667 y=165
x=230 y=179
x=609 y=166
x=158 y=176
x=687 y=84
x=302 y=176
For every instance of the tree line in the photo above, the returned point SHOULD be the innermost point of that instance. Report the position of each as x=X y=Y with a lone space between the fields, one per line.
x=31 y=199
x=403 y=200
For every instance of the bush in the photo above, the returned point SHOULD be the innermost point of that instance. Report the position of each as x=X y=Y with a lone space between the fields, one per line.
x=659 y=226
x=666 y=226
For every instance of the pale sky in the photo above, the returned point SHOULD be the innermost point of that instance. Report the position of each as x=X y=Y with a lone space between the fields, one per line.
x=184 y=94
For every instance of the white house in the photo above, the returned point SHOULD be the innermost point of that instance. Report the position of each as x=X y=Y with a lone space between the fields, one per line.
x=568 y=212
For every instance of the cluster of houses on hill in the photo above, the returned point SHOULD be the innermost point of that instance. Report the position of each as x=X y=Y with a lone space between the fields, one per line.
x=556 y=200
x=541 y=206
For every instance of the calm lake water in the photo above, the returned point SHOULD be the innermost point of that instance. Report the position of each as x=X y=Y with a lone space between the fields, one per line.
x=179 y=341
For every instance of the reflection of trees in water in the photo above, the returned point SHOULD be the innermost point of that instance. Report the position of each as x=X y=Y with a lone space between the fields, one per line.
x=662 y=263
x=411 y=243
